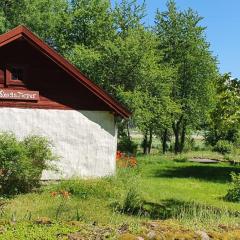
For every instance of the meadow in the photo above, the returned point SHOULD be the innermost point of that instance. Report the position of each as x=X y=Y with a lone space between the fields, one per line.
x=176 y=193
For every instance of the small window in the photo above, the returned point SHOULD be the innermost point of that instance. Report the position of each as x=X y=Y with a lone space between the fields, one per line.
x=17 y=74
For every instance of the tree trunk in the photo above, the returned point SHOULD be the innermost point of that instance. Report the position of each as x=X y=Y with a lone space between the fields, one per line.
x=145 y=143
x=164 y=141
x=176 y=144
x=150 y=141
x=128 y=131
x=176 y=129
x=183 y=137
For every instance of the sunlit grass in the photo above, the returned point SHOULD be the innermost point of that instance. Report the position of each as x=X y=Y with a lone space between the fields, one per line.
x=171 y=187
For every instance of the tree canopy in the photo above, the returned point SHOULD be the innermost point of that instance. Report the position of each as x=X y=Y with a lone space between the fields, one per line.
x=166 y=74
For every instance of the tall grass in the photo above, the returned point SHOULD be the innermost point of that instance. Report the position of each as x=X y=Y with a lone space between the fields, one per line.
x=205 y=216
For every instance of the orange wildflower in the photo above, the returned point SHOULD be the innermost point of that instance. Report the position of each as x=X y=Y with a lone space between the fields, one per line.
x=125 y=161
x=65 y=194
x=119 y=155
x=54 y=194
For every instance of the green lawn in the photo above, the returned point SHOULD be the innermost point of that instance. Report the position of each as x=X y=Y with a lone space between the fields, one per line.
x=194 y=192
x=190 y=194
x=186 y=181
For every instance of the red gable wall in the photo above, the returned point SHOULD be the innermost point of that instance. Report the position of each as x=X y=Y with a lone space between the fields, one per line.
x=57 y=89
x=60 y=84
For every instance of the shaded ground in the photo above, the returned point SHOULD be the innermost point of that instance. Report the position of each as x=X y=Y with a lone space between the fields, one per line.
x=214 y=173
x=190 y=192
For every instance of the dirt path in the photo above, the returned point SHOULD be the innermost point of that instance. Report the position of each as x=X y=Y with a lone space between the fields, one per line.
x=204 y=160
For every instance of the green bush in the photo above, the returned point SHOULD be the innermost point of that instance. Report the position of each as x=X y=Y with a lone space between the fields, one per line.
x=22 y=162
x=213 y=135
x=223 y=147
x=126 y=145
x=190 y=144
x=126 y=195
x=133 y=202
x=233 y=194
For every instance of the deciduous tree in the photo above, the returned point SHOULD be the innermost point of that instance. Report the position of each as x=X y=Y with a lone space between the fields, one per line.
x=224 y=121
x=184 y=44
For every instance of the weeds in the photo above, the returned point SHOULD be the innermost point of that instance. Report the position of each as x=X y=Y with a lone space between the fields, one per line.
x=132 y=203
x=64 y=196
x=3 y=203
x=84 y=189
x=234 y=192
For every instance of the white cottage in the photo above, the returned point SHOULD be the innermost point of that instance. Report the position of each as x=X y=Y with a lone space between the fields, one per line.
x=42 y=93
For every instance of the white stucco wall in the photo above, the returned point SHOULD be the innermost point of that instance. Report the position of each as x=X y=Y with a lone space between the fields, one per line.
x=86 y=141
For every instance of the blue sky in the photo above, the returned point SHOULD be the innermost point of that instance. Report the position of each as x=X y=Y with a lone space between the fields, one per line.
x=222 y=19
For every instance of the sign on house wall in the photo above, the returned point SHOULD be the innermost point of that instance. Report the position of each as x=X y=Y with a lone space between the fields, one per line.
x=22 y=95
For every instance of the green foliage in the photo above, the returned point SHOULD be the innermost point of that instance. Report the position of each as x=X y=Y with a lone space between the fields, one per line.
x=165 y=77
x=223 y=147
x=128 y=15
x=49 y=19
x=190 y=144
x=224 y=119
x=32 y=231
x=22 y=162
x=2 y=22
x=39 y=150
x=128 y=197
x=133 y=202
x=234 y=192
x=183 y=42
x=128 y=146
x=86 y=59
x=91 y=22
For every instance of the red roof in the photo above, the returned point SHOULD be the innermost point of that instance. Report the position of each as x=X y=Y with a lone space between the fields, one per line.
x=23 y=32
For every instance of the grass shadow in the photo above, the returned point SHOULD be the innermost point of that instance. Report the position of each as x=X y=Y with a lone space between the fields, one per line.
x=176 y=209
x=214 y=173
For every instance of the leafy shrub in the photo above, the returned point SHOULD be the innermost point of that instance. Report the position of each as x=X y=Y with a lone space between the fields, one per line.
x=3 y=203
x=223 y=147
x=126 y=196
x=39 y=150
x=213 y=135
x=126 y=145
x=190 y=144
x=180 y=158
x=132 y=202
x=233 y=194
x=22 y=162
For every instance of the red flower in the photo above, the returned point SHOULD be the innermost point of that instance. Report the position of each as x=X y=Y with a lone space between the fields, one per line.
x=125 y=161
x=119 y=155
x=54 y=194
x=64 y=194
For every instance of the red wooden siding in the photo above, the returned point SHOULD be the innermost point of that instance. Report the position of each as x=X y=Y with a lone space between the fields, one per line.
x=60 y=84
x=57 y=89
x=1 y=77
